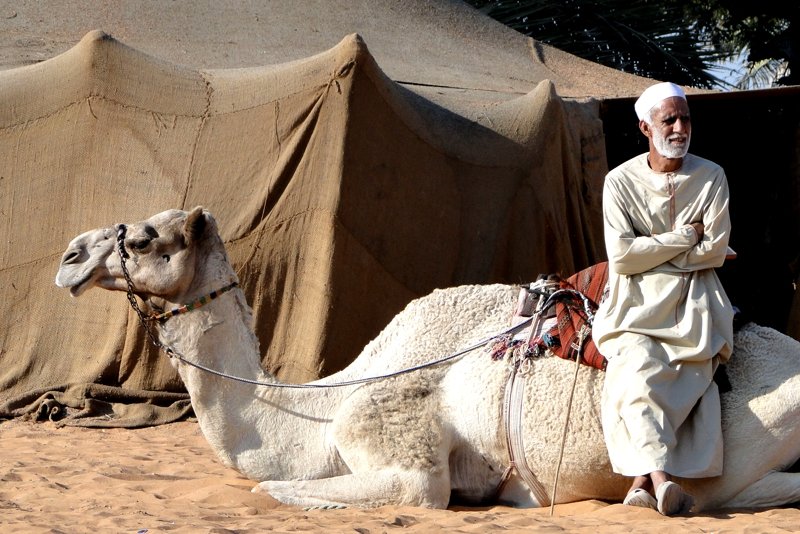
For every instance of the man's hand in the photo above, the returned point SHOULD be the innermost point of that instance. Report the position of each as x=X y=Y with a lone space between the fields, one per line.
x=699 y=229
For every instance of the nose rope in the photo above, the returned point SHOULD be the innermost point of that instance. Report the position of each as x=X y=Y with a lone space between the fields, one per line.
x=143 y=319
x=123 y=256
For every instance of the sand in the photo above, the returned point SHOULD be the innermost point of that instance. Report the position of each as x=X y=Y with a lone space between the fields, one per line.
x=167 y=479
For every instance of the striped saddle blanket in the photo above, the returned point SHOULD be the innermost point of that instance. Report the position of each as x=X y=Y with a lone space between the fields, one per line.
x=567 y=333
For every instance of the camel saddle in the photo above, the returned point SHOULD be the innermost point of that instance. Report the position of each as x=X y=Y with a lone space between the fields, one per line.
x=569 y=337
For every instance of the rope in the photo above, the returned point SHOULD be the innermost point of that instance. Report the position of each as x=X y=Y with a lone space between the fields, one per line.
x=123 y=254
x=357 y=381
x=583 y=335
x=514 y=396
x=186 y=308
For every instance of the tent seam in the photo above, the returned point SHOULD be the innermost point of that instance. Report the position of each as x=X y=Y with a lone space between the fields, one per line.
x=206 y=113
x=308 y=89
x=200 y=128
x=459 y=88
x=31 y=262
x=283 y=221
x=87 y=99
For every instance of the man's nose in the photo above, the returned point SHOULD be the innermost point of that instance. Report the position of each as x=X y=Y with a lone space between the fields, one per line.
x=680 y=125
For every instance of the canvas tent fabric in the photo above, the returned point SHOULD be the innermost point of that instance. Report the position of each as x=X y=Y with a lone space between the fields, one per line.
x=341 y=195
x=443 y=49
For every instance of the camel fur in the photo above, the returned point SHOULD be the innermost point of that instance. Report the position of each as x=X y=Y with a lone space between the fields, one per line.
x=433 y=436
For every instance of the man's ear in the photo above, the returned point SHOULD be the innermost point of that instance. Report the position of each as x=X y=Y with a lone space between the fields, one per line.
x=645 y=128
x=194 y=228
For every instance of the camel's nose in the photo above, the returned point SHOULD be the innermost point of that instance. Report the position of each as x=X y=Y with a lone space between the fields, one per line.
x=74 y=255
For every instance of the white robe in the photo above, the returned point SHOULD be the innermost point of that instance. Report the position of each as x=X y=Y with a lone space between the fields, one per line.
x=666 y=322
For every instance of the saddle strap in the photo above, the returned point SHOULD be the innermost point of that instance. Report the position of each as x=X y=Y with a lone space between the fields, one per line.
x=513 y=410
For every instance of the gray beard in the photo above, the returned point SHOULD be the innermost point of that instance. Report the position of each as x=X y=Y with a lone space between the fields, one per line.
x=669 y=151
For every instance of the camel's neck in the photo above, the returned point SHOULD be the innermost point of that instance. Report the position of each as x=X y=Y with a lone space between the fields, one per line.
x=255 y=429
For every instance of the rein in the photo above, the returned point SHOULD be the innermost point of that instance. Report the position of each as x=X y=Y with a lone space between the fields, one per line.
x=514 y=394
x=144 y=319
x=513 y=402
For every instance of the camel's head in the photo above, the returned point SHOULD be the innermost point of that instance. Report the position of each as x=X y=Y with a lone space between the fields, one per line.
x=162 y=255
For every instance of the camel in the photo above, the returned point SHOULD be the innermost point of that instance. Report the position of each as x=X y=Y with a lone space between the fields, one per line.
x=431 y=437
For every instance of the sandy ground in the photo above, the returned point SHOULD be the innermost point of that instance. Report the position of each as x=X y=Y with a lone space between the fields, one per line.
x=167 y=479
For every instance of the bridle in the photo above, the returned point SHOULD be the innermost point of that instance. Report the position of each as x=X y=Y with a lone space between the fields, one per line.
x=146 y=320
x=511 y=414
x=130 y=292
x=164 y=316
x=161 y=318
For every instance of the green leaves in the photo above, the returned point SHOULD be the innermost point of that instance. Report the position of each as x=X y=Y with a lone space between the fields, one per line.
x=680 y=41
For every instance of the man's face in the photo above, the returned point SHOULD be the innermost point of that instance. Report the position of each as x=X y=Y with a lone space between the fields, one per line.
x=671 y=130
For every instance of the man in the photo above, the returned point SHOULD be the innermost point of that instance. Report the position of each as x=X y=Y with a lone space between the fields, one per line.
x=666 y=322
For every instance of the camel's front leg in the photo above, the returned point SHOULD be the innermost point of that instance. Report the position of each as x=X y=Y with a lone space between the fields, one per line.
x=366 y=490
x=390 y=436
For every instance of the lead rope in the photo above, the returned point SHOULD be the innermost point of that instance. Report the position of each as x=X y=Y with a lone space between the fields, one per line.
x=123 y=254
x=513 y=405
x=582 y=336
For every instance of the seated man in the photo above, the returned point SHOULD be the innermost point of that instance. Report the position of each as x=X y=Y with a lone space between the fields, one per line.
x=666 y=323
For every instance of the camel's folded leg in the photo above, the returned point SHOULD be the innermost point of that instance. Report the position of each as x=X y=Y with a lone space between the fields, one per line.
x=376 y=488
x=774 y=489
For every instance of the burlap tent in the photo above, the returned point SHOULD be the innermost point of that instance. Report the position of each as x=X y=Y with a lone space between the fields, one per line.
x=346 y=181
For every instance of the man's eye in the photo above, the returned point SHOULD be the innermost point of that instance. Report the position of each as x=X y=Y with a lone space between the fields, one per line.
x=672 y=120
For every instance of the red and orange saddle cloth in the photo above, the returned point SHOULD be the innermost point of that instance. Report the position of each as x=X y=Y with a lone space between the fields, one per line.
x=564 y=329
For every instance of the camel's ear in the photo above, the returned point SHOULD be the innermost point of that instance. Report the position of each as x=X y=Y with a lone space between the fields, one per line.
x=195 y=226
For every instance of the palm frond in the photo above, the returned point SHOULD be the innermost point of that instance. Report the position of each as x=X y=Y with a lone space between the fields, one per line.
x=763 y=73
x=682 y=41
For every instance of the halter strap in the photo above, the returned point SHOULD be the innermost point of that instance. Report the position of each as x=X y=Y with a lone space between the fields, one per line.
x=186 y=308
x=160 y=317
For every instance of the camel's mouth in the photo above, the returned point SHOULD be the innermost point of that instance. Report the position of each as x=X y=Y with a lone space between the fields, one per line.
x=82 y=265
x=76 y=286
x=78 y=289
x=77 y=276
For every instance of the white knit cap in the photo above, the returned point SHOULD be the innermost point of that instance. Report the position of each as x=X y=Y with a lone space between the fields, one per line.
x=654 y=95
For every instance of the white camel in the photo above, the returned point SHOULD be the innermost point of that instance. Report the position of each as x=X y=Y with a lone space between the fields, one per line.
x=429 y=437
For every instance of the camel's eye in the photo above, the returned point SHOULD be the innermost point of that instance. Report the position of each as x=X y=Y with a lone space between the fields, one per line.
x=138 y=244
x=165 y=257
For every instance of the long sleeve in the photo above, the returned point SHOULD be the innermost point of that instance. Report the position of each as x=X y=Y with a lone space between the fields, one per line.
x=629 y=253
x=661 y=284
x=710 y=252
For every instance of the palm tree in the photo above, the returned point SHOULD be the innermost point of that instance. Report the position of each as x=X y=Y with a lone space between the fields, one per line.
x=667 y=39
x=766 y=33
